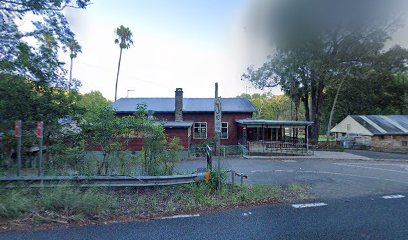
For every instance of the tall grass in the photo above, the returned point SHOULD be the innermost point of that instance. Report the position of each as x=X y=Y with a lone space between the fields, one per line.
x=95 y=203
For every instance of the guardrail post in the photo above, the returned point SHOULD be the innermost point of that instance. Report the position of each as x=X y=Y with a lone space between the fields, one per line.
x=232 y=178
x=242 y=180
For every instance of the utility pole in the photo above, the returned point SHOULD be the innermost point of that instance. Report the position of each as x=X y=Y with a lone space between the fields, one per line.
x=17 y=134
x=217 y=132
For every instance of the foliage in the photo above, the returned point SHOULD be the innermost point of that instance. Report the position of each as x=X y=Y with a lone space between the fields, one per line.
x=273 y=107
x=33 y=79
x=320 y=44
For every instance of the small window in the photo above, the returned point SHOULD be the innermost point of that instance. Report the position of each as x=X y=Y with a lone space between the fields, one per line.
x=348 y=127
x=200 y=130
x=404 y=143
x=224 y=130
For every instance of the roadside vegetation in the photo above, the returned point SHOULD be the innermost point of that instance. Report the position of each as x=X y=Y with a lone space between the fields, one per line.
x=42 y=207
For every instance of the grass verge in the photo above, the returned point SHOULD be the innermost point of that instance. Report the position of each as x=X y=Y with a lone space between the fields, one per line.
x=50 y=207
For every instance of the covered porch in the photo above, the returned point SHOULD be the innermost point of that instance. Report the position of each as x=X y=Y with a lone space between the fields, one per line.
x=272 y=137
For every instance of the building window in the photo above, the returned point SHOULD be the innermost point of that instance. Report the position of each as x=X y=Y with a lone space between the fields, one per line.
x=200 y=130
x=224 y=130
x=404 y=143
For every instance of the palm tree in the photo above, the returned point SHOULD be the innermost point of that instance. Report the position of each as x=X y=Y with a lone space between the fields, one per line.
x=74 y=49
x=124 y=40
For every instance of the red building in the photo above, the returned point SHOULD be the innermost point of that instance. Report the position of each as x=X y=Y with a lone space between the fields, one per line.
x=191 y=119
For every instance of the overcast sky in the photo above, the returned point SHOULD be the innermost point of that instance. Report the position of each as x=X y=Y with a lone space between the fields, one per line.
x=180 y=43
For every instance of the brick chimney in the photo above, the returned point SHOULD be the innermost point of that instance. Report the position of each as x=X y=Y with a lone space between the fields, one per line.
x=179 y=105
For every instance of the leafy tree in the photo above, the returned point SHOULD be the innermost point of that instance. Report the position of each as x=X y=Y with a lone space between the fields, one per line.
x=318 y=44
x=124 y=40
x=271 y=107
x=29 y=60
x=91 y=104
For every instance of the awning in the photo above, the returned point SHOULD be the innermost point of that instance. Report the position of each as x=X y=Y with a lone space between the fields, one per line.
x=274 y=123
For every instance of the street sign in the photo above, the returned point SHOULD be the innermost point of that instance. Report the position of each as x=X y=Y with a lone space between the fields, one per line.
x=217 y=115
x=17 y=128
x=39 y=129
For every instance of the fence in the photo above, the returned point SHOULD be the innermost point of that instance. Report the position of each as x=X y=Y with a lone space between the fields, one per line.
x=279 y=148
x=225 y=151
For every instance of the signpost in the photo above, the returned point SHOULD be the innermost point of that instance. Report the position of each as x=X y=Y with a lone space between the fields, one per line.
x=39 y=132
x=17 y=134
x=217 y=131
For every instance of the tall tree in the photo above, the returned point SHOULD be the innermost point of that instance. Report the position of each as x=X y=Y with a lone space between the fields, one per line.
x=74 y=49
x=317 y=43
x=125 y=40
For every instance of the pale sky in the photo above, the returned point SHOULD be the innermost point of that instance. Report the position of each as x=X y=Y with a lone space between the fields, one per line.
x=180 y=43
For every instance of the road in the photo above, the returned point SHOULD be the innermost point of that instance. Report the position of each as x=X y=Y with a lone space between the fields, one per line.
x=348 y=196
x=370 y=217
x=329 y=178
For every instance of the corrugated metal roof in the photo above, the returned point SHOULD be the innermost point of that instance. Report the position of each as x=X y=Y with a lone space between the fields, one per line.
x=274 y=122
x=384 y=124
x=189 y=104
x=175 y=124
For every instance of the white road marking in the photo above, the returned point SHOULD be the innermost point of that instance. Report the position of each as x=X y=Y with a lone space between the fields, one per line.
x=289 y=161
x=307 y=205
x=393 y=196
x=181 y=216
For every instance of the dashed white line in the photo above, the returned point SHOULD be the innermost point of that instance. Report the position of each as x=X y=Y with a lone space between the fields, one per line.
x=393 y=196
x=181 y=216
x=308 y=205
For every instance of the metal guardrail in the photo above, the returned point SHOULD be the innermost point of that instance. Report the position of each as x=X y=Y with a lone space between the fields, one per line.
x=101 y=181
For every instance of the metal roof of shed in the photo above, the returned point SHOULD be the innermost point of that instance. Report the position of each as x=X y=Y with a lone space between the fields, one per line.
x=126 y=105
x=274 y=122
x=384 y=124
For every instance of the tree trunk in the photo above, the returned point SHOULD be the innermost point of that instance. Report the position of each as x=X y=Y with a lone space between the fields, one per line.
x=305 y=100
x=117 y=74
x=297 y=106
x=313 y=103
x=70 y=75
x=332 y=109
x=319 y=108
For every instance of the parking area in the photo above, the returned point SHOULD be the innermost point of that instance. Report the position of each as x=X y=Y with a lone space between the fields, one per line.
x=327 y=178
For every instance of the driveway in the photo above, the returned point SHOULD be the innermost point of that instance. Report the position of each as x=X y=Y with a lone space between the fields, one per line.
x=327 y=178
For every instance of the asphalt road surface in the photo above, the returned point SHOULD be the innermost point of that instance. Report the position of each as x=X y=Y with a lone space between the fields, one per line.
x=357 y=218
x=327 y=179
